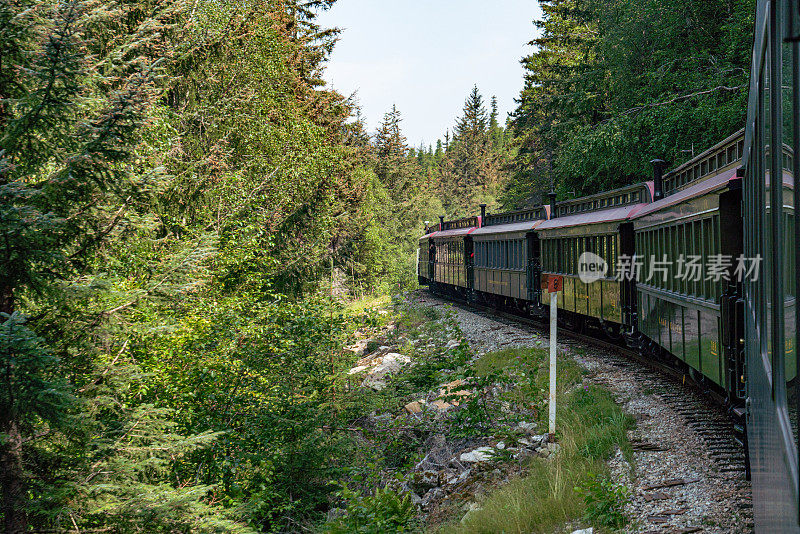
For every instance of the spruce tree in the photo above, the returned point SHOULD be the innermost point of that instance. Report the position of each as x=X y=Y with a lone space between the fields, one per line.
x=392 y=150
x=473 y=124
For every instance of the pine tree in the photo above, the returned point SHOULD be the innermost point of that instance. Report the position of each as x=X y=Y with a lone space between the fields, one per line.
x=496 y=132
x=392 y=150
x=473 y=124
x=469 y=155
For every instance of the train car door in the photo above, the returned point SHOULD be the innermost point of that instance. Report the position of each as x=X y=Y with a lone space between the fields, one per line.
x=469 y=258
x=534 y=270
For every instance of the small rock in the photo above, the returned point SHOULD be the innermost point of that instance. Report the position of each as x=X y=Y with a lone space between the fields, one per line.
x=500 y=445
x=455 y=480
x=481 y=454
x=451 y=389
x=533 y=441
x=589 y=530
x=432 y=495
x=453 y=343
x=358 y=347
x=425 y=480
x=358 y=369
x=529 y=428
x=415 y=406
x=441 y=405
x=374 y=383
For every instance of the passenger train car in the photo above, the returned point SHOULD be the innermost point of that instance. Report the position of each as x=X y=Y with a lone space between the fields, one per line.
x=597 y=224
x=734 y=334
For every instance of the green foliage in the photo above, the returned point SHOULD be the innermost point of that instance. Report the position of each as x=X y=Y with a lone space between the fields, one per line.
x=605 y=501
x=613 y=84
x=381 y=513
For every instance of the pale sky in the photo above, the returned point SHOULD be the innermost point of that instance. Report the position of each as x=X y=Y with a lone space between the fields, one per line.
x=425 y=56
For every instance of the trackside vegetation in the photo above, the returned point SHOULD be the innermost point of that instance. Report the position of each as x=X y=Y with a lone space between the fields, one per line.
x=568 y=486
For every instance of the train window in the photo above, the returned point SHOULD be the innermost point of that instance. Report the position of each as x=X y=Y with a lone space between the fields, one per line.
x=677 y=242
x=682 y=251
x=666 y=251
x=569 y=254
x=697 y=251
x=513 y=254
x=663 y=245
x=710 y=250
x=547 y=254
x=614 y=255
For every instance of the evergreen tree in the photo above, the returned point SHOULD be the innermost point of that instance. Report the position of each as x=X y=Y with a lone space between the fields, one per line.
x=473 y=124
x=392 y=152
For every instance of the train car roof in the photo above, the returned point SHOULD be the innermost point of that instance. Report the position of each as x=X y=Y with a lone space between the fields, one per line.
x=523 y=226
x=699 y=189
x=441 y=234
x=620 y=213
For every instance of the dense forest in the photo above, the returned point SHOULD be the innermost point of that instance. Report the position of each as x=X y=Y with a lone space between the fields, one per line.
x=186 y=210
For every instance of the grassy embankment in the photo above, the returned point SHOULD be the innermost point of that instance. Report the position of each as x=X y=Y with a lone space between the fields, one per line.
x=568 y=486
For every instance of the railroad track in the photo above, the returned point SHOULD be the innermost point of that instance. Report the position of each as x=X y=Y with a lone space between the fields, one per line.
x=703 y=410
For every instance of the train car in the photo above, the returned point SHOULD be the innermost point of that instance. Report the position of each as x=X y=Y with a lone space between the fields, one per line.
x=770 y=233
x=453 y=258
x=595 y=224
x=687 y=245
x=507 y=259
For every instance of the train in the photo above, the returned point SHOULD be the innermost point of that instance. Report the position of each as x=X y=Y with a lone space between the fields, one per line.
x=694 y=267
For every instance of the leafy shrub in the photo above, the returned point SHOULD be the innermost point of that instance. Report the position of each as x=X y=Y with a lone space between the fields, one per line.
x=605 y=501
x=383 y=512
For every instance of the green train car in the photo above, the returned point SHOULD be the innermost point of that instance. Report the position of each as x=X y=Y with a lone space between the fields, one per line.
x=592 y=224
x=507 y=258
x=678 y=239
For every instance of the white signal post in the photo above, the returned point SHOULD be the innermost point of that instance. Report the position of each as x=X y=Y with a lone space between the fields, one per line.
x=554 y=286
